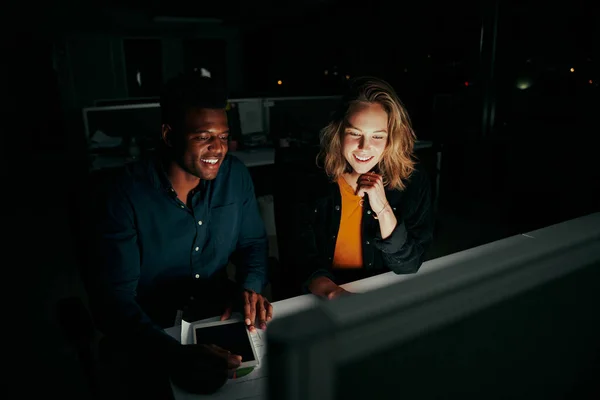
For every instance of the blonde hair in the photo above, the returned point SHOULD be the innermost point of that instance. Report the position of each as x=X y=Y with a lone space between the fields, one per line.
x=397 y=162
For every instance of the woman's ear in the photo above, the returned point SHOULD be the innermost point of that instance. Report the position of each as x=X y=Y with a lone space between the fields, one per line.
x=167 y=135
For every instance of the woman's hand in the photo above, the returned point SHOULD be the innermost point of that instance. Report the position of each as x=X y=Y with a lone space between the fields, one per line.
x=326 y=288
x=372 y=184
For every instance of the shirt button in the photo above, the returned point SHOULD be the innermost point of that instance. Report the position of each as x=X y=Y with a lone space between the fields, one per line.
x=198 y=275
x=394 y=208
x=368 y=211
x=370 y=264
x=172 y=190
x=315 y=210
x=197 y=248
x=182 y=206
x=337 y=208
x=368 y=242
x=199 y=222
x=192 y=298
x=333 y=237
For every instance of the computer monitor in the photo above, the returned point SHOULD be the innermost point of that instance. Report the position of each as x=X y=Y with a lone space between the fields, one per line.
x=516 y=321
x=125 y=120
x=140 y=120
x=301 y=118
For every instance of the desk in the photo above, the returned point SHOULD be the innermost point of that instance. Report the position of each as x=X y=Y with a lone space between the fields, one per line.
x=253 y=386
x=256 y=157
x=266 y=155
x=423 y=144
x=250 y=157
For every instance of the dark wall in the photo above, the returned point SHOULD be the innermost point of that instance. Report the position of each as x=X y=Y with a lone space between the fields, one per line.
x=33 y=123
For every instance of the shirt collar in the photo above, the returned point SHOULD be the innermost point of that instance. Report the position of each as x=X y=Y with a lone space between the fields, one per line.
x=161 y=181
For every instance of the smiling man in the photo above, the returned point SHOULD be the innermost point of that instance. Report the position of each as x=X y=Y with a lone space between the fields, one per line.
x=164 y=235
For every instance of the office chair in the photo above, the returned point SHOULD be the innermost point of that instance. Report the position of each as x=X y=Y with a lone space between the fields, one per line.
x=294 y=169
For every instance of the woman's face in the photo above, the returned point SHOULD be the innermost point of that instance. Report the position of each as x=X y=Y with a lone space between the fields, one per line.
x=365 y=136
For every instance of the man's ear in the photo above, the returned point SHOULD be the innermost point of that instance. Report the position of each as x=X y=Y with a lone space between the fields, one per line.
x=167 y=135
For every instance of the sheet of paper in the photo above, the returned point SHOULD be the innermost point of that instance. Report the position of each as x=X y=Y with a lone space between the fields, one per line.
x=235 y=389
x=101 y=140
x=251 y=118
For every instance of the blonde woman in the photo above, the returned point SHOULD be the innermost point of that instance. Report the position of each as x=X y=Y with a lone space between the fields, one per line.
x=373 y=213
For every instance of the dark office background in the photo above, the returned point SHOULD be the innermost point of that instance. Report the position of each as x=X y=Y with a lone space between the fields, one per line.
x=507 y=89
x=445 y=68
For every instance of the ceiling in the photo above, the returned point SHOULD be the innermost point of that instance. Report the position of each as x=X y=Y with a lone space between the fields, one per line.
x=87 y=15
x=232 y=12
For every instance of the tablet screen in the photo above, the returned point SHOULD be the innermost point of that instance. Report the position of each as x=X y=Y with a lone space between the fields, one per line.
x=232 y=337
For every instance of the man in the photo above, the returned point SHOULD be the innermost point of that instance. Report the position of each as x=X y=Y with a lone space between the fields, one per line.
x=163 y=238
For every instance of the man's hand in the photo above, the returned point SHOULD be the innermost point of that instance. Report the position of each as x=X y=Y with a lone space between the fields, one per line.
x=257 y=310
x=202 y=368
x=233 y=360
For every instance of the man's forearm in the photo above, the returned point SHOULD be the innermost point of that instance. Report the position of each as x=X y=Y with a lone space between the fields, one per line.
x=255 y=281
x=253 y=264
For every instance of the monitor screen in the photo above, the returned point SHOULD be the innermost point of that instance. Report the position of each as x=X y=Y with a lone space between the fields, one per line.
x=140 y=120
x=515 y=319
x=301 y=118
x=540 y=344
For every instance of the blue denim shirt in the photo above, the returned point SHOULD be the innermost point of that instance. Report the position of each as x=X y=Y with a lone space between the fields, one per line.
x=152 y=253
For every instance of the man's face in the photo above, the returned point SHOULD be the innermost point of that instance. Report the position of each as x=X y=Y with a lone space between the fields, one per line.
x=202 y=144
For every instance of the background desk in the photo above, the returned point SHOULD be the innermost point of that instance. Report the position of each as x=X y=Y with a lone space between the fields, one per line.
x=256 y=157
x=250 y=157
x=266 y=156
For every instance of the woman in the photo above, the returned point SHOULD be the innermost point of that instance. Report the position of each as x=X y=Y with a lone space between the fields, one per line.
x=374 y=212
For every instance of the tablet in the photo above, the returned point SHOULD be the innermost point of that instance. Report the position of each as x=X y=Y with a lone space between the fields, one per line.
x=232 y=335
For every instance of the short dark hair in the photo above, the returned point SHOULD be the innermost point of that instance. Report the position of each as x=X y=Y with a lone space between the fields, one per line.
x=190 y=90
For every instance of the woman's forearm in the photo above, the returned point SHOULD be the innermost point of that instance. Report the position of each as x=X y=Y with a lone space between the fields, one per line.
x=322 y=286
x=387 y=221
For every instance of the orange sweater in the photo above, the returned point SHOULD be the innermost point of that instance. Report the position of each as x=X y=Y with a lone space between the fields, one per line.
x=348 y=246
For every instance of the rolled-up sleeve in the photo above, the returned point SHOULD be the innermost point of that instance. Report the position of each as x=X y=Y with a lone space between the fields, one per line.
x=404 y=250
